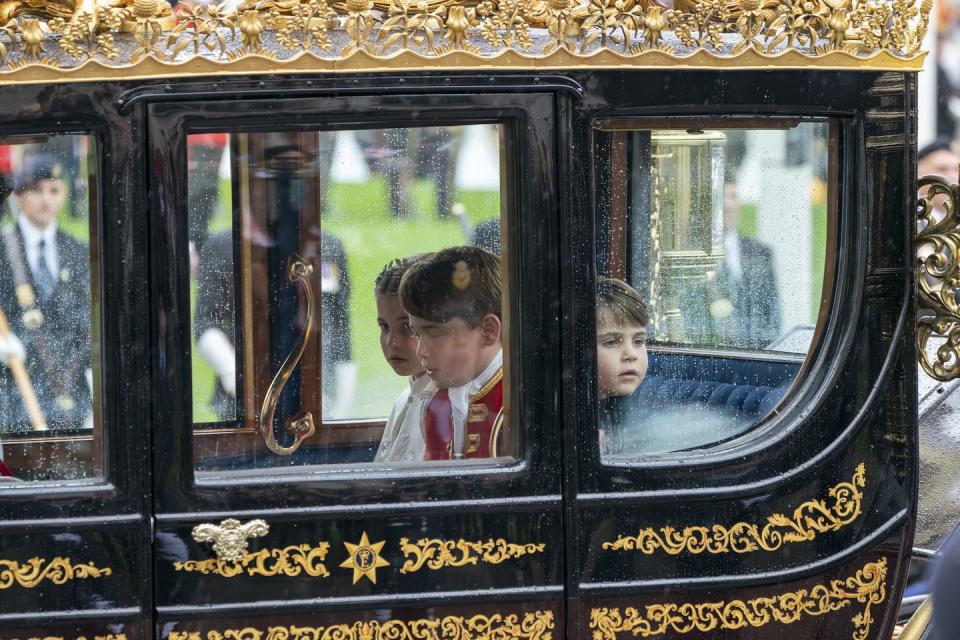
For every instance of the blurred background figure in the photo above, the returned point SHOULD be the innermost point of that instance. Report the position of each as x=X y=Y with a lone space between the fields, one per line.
x=45 y=296
x=738 y=304
x=205 y=153
x=938 y=158
x=403 y=156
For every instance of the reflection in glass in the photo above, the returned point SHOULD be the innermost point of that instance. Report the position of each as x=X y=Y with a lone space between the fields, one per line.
x=303 y=352
x=47 y=413
x=721 y=233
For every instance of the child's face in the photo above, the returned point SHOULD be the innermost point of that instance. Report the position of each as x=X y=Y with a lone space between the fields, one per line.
x=41 y=202
x=621 y=357
x=397 y=340
x=452 y=352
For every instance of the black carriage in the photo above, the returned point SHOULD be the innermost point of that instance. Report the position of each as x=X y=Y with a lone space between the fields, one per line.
x=237 y=178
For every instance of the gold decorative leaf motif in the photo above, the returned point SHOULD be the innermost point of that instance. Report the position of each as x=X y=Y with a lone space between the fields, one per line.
x=535 y=625
x=142 y=38
x=807 y=521
x=436 y=554
x=288 y=561
x=867 y=588
x=59 y=570
x=938 y=276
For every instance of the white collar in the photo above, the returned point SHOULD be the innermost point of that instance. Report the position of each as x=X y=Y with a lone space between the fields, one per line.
x=33 y=234
x=477 y=383
x=422 y=386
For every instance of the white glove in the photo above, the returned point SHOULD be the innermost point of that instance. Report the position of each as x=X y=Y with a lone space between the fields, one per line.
x=11 y=347
x=345 y=377
x=88 y=376
x=216 y=348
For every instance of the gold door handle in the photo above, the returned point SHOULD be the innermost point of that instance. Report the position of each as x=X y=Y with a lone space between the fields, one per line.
x=230 y=536
x=299 y=425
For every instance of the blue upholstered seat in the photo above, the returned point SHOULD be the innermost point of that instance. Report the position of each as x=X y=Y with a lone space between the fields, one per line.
x=741 y=388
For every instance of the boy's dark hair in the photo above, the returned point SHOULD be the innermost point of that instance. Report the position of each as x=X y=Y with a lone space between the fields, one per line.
x=456 y=282
x=36 y=168
x=621 y=301
x=388 y=280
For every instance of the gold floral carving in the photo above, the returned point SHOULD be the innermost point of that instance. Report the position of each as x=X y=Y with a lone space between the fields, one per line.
x=535 y=625
x=811 y=518
x=436 y=554
x=58 y=570
x=938 y=277
x=293 y=560
x=140 y=37
x=865 y=589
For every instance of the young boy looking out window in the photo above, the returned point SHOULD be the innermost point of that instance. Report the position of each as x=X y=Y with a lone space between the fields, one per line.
x=622 y=320
x=455 y=308
x=402 y=439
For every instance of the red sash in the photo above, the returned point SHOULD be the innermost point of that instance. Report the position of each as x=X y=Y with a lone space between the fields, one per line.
x=5 y=470
x=438 y=427
x=483 y=428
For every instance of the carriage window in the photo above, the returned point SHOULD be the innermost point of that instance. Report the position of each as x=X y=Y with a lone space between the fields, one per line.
x=49 y=426
x=347 y=298
x=711 y=268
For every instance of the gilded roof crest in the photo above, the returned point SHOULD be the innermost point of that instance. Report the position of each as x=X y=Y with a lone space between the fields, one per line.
x=62 y=40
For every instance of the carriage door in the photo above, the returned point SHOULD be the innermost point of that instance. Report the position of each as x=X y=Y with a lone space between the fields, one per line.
x=297 y=491
x=744 y=468
x=74 y=517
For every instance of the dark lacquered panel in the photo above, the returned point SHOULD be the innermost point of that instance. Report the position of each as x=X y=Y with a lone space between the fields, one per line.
x=711 y=521
x=855 y=372
x=315 y=558
x=801 y=524
x=855 y=599
x=72 y=569
x=533 y=619
x=105 y=629
x=86 y=545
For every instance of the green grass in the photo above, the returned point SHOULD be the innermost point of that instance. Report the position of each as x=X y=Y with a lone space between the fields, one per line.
x=747 y=227
x=371 y=238
x=818 y=219
x=358 y=216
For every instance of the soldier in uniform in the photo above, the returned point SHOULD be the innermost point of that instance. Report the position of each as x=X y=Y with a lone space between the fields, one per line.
x=45 y=295
x=455 y=307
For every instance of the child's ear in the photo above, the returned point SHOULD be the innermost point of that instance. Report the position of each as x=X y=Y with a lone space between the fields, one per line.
x=490 y=327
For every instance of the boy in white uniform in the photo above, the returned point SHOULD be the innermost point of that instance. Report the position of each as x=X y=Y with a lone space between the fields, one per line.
x=402 y=439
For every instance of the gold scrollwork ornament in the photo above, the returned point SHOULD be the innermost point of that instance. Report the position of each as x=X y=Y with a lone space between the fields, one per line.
x=57 y=570
x=938 y=278
x=811 y=518
x=436 y=553
x=292 y=560
x=866 y=588
x=533 y=625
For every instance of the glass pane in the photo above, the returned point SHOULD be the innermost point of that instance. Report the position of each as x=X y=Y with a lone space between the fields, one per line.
x=48 y=338
x=711 y=260
x=303 y=349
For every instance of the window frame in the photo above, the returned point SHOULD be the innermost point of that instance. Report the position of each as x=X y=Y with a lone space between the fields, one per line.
x=56 y=443
x=529 y=144
x=815 y=371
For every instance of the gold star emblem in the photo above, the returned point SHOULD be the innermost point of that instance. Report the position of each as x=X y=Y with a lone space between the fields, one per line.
x=364 y=559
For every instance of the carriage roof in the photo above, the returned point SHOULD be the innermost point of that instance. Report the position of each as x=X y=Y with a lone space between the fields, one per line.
x=83 y=40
